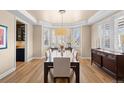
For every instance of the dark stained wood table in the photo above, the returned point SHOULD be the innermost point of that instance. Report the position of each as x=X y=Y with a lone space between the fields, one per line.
x=75 y=65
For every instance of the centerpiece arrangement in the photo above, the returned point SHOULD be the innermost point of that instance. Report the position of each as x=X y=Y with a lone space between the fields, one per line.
x=62 y=49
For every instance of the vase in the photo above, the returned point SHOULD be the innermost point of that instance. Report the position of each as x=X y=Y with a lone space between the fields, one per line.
x=61 y=53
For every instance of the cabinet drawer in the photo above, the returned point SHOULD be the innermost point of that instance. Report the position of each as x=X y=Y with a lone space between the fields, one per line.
x=110 y=64
x=94 y=52
x=97 y=59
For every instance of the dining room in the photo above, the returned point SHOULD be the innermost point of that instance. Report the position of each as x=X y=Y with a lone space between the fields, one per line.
x=65 y=46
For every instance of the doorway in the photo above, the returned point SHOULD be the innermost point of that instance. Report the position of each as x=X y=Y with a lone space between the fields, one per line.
x=20 y=41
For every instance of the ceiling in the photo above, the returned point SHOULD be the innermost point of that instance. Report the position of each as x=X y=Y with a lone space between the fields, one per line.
x=70 y=16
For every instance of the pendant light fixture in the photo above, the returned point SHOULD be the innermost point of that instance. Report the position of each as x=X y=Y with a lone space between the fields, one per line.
x=61 y=31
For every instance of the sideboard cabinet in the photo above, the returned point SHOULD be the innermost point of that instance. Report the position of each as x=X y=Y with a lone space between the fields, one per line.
x=112 y=62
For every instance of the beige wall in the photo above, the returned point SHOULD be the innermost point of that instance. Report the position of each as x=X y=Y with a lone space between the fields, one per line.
x=37 y=45
x=94 y=35
x=29 y=41
x=7 y=56
x=86 y=41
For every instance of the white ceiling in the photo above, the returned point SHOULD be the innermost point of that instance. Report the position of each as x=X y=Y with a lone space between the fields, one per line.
x=53 y=16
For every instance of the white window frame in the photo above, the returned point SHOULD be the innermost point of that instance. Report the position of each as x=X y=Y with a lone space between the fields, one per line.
x=116 y=33
x=111 y=37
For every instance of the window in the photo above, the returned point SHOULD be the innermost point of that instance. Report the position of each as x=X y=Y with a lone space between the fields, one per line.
x=49 y=39
x=119 y=31
x=46 y=37
x=75 y=37
x=107 y=35
x=111 y=32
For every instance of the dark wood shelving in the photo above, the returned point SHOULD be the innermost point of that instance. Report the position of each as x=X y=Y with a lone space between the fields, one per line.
x=20 y=32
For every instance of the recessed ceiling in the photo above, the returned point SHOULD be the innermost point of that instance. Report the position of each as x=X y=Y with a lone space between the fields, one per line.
x=70 y=16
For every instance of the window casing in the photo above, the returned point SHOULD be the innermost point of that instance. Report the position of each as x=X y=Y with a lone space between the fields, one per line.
x=119 y=30
x=110 y=34
x=107 y=35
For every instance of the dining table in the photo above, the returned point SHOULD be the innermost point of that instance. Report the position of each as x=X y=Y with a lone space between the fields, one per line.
x=74 y=63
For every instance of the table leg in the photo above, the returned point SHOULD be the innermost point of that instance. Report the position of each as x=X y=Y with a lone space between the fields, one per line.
x=76 y=68
x=77 y=73
x=45 y=73
x=47 y=66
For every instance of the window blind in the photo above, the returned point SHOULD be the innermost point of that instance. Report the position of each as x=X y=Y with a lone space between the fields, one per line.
x=118 y=32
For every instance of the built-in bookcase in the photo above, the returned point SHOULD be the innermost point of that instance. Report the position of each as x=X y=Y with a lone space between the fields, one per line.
x=20 y=32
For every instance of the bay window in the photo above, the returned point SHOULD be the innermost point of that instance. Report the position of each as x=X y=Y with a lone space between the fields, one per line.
x=50 y=39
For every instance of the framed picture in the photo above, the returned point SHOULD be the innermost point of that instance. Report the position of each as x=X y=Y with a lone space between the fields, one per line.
x=3 y=37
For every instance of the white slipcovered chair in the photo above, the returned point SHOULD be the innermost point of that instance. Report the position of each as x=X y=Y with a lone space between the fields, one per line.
x=48 y=54
x=61 y=69
x=75 y=55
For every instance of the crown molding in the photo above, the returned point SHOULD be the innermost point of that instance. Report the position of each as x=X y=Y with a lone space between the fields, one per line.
x=101 y=15
x=24 y=15
x=69 y=25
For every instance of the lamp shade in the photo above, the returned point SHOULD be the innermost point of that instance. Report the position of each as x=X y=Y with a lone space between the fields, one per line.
x=61 y=31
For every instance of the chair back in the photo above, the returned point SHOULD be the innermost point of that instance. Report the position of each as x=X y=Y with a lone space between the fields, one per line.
x=73 y=51
x=48 y=54
x=61 y=67
x=75 y=55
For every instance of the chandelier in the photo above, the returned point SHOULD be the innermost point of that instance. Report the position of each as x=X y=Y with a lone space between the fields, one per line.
x=61 y=31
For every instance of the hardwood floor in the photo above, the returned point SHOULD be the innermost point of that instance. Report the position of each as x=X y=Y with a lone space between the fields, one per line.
x=32 y=72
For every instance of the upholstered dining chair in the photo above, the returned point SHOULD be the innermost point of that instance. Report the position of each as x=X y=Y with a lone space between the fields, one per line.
x=75 y=54
x=61 y=69
x=48 y=54
x=73 y=51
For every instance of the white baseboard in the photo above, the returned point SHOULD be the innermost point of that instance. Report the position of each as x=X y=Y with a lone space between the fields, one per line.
x=35 y=58
x=30 y=59
x=39 y=57
x=85 y=57
x=42 y=57
x=7 y=72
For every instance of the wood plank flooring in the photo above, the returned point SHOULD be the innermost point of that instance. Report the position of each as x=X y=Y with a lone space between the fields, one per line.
x=32 y=72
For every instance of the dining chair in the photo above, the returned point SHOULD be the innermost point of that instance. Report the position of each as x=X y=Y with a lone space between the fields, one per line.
x=73 y=51
x=61 y=69
x=76 y=55
x=48 y=54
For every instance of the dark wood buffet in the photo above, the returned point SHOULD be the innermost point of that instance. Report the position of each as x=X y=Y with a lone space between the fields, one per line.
x=111 y=62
